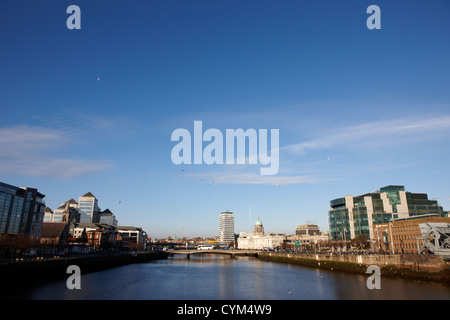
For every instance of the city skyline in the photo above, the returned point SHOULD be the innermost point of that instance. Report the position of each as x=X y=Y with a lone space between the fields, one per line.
x=93 y=110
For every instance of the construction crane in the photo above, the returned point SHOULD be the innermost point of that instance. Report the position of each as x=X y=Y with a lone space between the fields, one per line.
x=179 y=234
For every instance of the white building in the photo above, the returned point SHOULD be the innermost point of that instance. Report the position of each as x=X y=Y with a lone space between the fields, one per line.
x=258 y=240
x=226 y=228
x=250 y=241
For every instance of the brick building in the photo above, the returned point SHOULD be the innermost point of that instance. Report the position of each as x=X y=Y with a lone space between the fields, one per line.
x=402 y=235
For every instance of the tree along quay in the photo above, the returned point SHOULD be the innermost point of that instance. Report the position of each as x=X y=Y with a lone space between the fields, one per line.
x=405 y=266
x=37 y=271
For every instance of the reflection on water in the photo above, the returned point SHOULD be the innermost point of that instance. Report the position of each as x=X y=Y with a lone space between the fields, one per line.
x=218 y=277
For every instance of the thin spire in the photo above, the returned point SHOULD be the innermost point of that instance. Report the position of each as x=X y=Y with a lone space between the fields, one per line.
x=250 y=207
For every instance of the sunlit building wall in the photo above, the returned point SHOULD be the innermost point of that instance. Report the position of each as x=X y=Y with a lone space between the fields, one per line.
x=353 y=216
x=226 y=227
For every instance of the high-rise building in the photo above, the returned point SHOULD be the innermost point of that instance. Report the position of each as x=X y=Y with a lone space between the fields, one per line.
x=226 y=228
x=21 y=211
x=107 y=217
x=350 y=217
x=88 y=208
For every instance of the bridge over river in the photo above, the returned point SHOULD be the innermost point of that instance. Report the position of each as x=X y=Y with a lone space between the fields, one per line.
x=231 y=253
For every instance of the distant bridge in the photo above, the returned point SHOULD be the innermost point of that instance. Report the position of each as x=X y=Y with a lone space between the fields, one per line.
x=231 y=253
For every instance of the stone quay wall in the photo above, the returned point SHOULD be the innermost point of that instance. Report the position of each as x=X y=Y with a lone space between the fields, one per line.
x=408 y=266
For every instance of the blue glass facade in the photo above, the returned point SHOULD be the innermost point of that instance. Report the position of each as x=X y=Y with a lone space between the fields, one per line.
x=21 y=210
x=88 y=209
x=350 y=217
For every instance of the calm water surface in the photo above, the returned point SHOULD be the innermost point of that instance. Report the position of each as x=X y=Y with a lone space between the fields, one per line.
x=219 y=277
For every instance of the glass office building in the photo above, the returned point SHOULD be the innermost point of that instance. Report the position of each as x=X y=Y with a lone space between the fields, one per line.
x=353 y=216
x=107 y=217
x=88 y=208
x=67 y=212
x=21 y=211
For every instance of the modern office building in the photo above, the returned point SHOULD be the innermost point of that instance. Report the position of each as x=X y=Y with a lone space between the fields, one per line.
x=226 y=228
x=88 y=208
x=307 y=235
x=66 y=213
x=307 y=230
x=353 y=216
x=21 y=211
x=107 y=217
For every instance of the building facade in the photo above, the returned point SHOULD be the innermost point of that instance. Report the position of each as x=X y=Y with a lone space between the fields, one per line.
x=96 y=234
x=132 y=237
x=258 y=240
x=307 y=230
x=66 y=213
x=54 y=233
x=259 y=228
x=107 y=217
x=88 y=208
x=403 y=235
x=353 y=216
x=21 y=211
x=48 y=215
x=251 y=241
x=226 y=228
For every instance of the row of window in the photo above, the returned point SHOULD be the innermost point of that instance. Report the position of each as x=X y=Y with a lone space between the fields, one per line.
x=412 y=227
x=5 y=200
x=410 y=246
x=8 y=190
x=16 y=214
x=405 y=237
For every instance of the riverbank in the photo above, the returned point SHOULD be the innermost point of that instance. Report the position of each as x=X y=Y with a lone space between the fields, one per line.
x=417 y=267
x=38 y=271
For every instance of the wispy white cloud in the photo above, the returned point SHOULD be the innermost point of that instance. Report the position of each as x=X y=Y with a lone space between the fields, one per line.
x=376 y=133
x=253 y=178
x=297 y=169
x=36 y=152
x=79 y=121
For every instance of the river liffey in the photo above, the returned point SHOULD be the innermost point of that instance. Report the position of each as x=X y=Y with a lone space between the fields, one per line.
x=215 y=277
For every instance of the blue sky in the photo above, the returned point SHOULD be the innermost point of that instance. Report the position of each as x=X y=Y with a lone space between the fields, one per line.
x=93 y=110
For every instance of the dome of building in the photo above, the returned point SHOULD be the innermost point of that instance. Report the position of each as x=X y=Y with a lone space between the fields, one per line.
x=258 y=229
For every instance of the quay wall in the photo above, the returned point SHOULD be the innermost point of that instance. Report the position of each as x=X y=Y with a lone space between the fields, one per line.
x=43 y=270
x=410 y=266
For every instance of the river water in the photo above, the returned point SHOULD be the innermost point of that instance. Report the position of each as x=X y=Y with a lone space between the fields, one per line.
x=215 y=277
